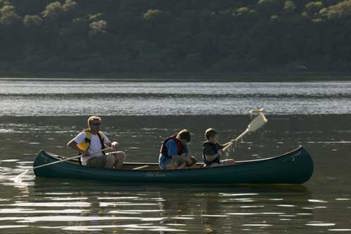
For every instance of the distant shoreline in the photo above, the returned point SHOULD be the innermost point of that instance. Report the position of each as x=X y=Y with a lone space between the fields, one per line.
x=186 y=77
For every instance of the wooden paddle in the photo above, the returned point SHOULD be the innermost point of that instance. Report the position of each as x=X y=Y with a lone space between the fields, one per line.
x=254 y=125
x=18 y=177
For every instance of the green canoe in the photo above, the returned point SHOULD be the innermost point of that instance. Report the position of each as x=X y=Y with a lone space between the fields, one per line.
x=295 y=167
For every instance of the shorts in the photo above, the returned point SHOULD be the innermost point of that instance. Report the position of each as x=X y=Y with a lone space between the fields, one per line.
x=98 y=162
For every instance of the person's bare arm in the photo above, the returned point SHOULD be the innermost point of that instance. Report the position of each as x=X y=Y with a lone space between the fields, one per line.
x=72 y=144
x=111 y=145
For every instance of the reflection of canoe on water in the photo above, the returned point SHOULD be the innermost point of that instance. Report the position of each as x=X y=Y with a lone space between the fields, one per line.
x=294 y=167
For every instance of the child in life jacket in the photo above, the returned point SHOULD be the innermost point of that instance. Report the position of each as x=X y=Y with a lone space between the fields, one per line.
x=174 y=152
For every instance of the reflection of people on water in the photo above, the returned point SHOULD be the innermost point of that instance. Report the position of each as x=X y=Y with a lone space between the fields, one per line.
x=174 y=152
x=213 y=151
x=91 y=143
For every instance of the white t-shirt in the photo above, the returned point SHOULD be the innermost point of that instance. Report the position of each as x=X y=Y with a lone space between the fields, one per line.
x=94 y=147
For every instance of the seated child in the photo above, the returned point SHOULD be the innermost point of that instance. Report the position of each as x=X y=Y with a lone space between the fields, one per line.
x=174 y=152
x=213 y=151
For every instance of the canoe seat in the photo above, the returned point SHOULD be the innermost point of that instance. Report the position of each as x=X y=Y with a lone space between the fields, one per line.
x=140 y=167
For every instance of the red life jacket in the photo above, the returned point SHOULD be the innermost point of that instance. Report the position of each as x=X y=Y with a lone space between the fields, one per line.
x=164 y=150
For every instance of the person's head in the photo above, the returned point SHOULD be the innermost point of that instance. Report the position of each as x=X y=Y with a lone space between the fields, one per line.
x=94 y=123
x=184 y=136
x=211 y=135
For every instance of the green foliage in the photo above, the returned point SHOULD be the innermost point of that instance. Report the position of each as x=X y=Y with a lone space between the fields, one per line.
x=175 y=36
x=8 y=15
x=339 y=10
x=244 y=11
x=274 y=18
x=32 y=20
x=55 y=9
x=95 y=17
x=152 y=14
x=69 y=5
x=52 y=10
x=4 y=2
x=289 y=6
x=98 y=26
x=313 y=8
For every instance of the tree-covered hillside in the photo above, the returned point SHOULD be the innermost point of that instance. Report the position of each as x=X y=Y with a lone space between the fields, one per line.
x=80 y=36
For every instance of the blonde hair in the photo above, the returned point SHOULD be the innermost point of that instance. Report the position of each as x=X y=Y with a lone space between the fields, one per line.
x=92 y=118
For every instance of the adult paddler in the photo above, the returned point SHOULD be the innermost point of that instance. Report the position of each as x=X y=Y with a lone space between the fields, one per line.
x=91 y=142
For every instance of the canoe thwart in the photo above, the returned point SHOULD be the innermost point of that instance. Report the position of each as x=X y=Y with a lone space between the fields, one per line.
x=141 y=167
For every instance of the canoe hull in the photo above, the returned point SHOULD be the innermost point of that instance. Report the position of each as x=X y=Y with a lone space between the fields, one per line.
x=295 y=167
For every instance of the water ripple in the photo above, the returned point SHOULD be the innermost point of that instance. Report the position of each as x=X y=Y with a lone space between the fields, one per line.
x=50 y=204
x=24 y=98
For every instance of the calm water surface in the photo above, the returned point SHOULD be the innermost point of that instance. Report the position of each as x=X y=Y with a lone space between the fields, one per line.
x=62 y=97
x=39 y=114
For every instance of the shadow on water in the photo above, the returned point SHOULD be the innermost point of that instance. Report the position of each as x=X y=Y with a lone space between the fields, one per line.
x=91 y=185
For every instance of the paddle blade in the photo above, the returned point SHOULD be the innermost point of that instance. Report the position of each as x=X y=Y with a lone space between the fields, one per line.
x=257 y=122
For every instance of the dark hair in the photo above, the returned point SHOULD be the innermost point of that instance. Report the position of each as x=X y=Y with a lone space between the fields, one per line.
x=210 y=132
x=184 y=135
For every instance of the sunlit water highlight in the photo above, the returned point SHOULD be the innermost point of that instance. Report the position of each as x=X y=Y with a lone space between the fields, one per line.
x=55 y=97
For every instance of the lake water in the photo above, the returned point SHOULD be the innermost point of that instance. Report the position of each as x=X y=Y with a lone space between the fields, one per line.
x=108 y=97
x=41 y=114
